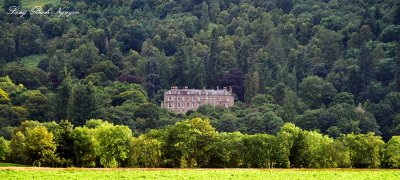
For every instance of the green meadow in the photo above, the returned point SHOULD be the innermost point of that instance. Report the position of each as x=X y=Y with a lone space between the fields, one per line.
x=27 y=4
x=71 y=173
x=30 y=3
x=33 y=60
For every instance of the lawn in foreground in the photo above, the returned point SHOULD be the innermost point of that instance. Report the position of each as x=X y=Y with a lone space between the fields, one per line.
x=47 y=173
x=11 y=165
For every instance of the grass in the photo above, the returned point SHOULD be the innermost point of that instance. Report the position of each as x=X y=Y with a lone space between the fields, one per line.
x=28 y=4
x=33 y=60
x=11 y=165
x=30 y=61
x=49 y=173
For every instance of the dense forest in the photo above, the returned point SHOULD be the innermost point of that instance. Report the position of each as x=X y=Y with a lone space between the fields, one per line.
x=329 y=67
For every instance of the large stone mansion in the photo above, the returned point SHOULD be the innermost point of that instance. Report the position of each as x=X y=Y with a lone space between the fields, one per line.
x=183 y=100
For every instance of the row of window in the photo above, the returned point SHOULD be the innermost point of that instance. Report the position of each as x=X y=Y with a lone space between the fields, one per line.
x=179 y=105
x=199 y=99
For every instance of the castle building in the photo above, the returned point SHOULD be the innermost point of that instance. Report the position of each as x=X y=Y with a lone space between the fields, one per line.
x=183 y=100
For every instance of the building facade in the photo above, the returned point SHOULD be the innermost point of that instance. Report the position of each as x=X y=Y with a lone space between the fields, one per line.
x=183 y=100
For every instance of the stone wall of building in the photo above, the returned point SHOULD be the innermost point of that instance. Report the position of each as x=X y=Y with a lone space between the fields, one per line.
x=183 y=100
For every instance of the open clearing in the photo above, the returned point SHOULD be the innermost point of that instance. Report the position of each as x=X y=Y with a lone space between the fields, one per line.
x=33 y=60
x=27 y=4
x=148 y=173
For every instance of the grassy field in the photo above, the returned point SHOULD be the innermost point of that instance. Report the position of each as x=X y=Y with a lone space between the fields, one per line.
x=33 y=60
x=49 y=173
x=11 y=165
x=30 y=3
x=27 y=4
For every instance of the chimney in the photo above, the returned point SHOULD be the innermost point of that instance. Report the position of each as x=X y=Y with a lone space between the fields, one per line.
x=230 y=89
x=186 y=87
x=217 y=87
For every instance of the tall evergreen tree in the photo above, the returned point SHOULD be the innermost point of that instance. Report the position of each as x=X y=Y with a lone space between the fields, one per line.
x=252 y=84
x=205 y=16
x=397 y=59
x=179 y=76
x=63 y=96
x=243 y=51
x=367 y=66
x=65 y=142
x=152 y=82
x=83 y=103
x=211 y=63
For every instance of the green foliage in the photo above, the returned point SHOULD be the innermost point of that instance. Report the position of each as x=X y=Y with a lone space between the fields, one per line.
x=4 y=149
x=84 y=145
x=397 y=70
x=365 y=149
x=114 y=143
x=108 y=68
x=32 y=78
x=146 y=152
x=191 y=143
x=39 y=146
x=344 y=97
x=17 y=146
x=4 y=97
x=8 y=3
x=188 y=143
x=133 y=96
x=258 y=150
x=307 y=62
x=315 y=91
x=84 y=103
x=391 y=154
x=12 y=115
x=37 y=105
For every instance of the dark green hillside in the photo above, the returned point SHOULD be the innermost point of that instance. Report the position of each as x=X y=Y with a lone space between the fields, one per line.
x=329 y=66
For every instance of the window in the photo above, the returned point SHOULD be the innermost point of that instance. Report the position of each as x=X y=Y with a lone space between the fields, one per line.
x=192 y=98
x=179 y=105
x=200 y=99
x=219 y=99
x=188 y=105
x=213 y=98
x=206 y=98
x=227 y=99
x=170 y=105
x=170 y=98
x=178 y=99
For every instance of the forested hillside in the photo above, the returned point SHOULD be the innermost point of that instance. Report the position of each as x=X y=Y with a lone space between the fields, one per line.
x=332 y=66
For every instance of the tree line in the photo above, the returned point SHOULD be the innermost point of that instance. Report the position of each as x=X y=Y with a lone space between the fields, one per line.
x=192 y=143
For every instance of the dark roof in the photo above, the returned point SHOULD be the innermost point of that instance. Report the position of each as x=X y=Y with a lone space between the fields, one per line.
x=199 y=91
